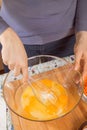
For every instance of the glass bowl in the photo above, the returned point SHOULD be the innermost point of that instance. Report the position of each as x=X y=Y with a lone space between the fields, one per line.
x=51 y=71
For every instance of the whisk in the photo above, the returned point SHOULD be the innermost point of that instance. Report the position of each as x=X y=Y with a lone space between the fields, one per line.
x=44 y=95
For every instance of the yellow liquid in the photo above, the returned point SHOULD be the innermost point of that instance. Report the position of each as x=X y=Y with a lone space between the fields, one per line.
x=34 y=109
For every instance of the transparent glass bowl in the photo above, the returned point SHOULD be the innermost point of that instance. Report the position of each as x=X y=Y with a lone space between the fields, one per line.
x=44 y=67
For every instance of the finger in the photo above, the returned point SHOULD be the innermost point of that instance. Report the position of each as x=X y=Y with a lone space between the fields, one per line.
x=11 y=66
x=77 y=61
x=5 y=59
x=5 y=62
x=25 y=73
x=17 y=70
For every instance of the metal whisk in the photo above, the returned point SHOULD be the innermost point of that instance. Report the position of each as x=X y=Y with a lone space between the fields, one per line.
x=44 y=95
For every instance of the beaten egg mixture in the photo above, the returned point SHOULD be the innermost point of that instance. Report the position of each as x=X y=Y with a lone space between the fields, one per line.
x=33 y=109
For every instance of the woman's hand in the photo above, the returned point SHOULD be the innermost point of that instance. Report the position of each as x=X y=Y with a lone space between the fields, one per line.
x=81 y=53
x=13 y=53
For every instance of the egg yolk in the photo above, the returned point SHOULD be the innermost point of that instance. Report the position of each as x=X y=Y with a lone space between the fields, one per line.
x=34 y=109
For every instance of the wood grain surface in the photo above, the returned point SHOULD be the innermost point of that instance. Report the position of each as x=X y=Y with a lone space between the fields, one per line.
x=71 y=121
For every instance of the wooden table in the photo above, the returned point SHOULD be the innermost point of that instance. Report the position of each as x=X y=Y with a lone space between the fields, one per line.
x=71 y=121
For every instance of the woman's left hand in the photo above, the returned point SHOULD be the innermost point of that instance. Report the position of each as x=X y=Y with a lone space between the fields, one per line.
x=80 y=50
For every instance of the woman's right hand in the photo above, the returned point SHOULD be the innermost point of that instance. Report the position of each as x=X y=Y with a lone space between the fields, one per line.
x=13 y=53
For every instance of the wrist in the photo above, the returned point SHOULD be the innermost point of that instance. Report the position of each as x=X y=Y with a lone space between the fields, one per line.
x=82 y=35
x=5 y=35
